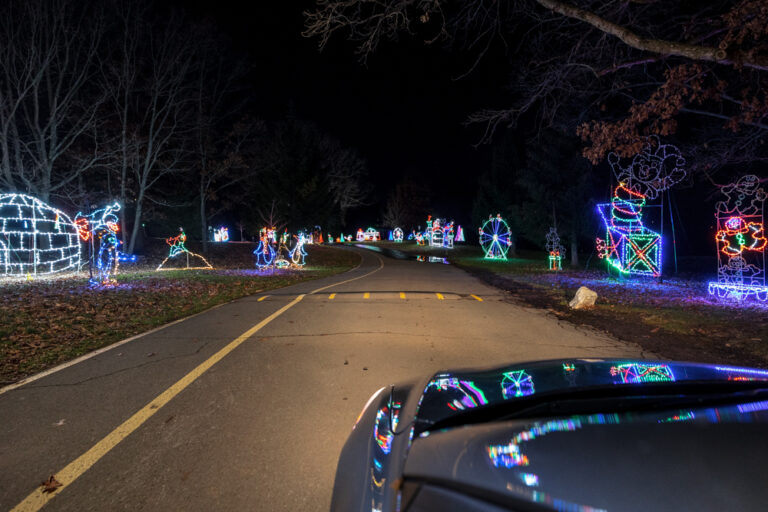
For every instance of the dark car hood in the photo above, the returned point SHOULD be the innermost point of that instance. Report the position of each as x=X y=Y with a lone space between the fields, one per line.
x=694 y=459
x=635 y=458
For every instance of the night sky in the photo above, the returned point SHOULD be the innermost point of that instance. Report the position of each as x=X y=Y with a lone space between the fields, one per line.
x=404 y=110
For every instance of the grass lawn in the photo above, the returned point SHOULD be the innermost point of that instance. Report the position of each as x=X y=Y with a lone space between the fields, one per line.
x=48 y=322
x=676 y=319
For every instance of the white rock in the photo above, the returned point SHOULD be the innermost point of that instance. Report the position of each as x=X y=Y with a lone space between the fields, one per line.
x=584 y=298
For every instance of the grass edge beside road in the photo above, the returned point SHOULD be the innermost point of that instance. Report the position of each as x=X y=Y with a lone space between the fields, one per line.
x=48 y=323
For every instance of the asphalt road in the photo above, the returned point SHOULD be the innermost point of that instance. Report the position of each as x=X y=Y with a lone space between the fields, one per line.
x=199 y=416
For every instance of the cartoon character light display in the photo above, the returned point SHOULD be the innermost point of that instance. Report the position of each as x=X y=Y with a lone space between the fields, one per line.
x=101 y=227
x=495 y=238
x=265 y=253
x=629 y=246
x=178 y=248
x=397 y=235
x=35 y=238
x=741 y=242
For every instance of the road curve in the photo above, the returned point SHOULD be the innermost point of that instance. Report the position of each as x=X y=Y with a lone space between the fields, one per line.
x=270 y=386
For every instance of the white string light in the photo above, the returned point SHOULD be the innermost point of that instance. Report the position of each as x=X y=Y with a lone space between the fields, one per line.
x=35 y=239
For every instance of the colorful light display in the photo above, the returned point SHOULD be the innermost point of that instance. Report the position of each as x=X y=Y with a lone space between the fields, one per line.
x=636 y=373
x=298 y=254
x=448 y=235
x=265 y=253
x=741 y=242
x=101 y=226
x=283 y=254
x=516 y=384
x=495 y=238
x=629 y=246
x=178 y=247
x=397 y=235
x=555 y=249
x=435 y=234
x=35 y=238
x=221 y=234
x=369 y=235
x=459 y=234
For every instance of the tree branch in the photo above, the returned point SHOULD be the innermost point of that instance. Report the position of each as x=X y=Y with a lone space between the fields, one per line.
x=659 y=46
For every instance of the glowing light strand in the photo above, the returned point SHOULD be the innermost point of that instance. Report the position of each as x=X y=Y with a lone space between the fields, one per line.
x=177 y=248
x=265 y=253
x=656 y=168
x=555 y=249
x=741 y=242
x=35 y=238
x=102 y=226
x=495 y=238
x=629 y=246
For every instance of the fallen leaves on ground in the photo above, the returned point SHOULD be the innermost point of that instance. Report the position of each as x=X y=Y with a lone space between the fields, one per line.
x=50 y=485
x=47 y=322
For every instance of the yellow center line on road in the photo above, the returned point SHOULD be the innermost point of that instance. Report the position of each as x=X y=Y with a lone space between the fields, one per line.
x=332 y=296
x=366 y=295
x=262 y=298
x=66 y=476
x=440 y=296
x=476 y=298
x=402 y=295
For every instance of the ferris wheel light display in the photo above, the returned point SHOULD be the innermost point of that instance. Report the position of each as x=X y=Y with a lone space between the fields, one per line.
x=495 y=238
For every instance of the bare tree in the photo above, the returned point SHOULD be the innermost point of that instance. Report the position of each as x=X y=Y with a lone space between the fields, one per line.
x=346 y=172
x=149 y=80
x=48 y=107
x=613 y=71
x=224 y=144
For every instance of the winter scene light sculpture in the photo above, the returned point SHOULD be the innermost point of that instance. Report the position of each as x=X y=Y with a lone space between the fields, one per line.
x=178 y=248
x=265 y=253
x=298 y=253
x=555 y=249
x=35 y=238
x=102 y=226
x=495 y=238
x=741 y=242
x=629 y=246
x=397 y=235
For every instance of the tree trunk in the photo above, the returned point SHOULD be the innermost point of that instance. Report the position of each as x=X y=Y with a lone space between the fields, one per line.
x=203 y=219
x=136 y=222
x=574 y=249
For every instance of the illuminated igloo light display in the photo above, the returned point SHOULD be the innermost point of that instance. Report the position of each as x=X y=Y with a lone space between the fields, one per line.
x=35 y=239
